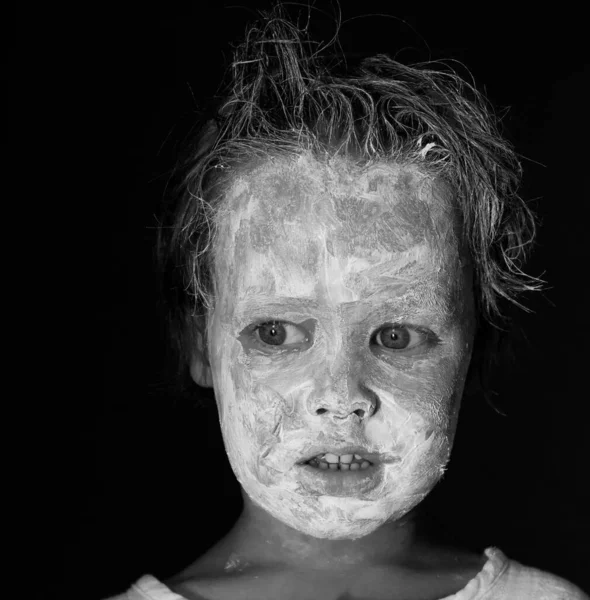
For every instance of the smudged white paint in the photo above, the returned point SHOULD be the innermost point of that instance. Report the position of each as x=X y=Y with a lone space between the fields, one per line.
x=235 y=564
x=315 y=245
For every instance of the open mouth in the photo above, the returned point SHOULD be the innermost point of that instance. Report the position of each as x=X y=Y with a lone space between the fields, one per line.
x=342 y=472
x=339 y=462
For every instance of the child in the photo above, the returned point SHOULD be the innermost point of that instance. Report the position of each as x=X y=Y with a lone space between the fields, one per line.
x=340 y=237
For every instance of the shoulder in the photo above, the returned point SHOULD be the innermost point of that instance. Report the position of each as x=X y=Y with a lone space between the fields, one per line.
x=514 y=580
x=540 y=585
x=148 y=588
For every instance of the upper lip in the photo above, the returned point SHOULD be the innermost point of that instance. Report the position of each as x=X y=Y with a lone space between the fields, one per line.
x=372 y=457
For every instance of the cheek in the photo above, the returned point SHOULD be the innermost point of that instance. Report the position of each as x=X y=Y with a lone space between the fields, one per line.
x=252 y=415
x=417 y=413
x=429 y=388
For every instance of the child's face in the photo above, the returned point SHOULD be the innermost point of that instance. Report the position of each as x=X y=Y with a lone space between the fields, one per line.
x=336 y=255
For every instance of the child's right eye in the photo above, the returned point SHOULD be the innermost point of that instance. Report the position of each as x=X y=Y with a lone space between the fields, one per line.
x=277 y=333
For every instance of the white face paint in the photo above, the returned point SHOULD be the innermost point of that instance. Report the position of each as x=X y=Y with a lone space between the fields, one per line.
x=335 y=254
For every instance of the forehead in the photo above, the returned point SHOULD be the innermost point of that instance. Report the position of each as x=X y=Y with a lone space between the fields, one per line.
x=301 y=228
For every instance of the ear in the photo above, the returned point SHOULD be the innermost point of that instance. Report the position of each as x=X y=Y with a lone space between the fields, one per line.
x=200 y=369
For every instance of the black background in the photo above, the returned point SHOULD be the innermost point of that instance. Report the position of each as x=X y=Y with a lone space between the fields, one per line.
x=137 y=481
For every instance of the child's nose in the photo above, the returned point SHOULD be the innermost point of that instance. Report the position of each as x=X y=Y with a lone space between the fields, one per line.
x=339 y=407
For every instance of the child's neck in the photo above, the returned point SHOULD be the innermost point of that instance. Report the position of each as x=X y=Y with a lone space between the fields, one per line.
x=259 y=539
x=261 y=558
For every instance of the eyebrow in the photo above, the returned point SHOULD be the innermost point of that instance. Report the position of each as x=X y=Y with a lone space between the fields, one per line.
x=270 y=303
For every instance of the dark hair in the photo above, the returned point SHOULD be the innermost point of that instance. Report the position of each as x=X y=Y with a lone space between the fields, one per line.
x=286 y=96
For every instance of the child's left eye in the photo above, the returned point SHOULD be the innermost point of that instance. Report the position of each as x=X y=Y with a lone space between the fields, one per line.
x=399 y=337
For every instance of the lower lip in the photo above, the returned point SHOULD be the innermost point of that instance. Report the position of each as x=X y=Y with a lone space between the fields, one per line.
x=339 y=483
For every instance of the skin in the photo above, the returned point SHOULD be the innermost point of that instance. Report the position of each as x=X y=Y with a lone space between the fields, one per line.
x=336 y=255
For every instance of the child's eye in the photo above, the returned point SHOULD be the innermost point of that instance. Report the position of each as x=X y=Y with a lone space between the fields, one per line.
x=391 y=337
x=400 y=337
x=276 y=333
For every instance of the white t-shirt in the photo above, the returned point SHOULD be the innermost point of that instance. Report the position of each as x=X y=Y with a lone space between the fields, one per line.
x=499 y=579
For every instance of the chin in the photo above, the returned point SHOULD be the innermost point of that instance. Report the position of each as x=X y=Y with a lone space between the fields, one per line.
x=334 y=518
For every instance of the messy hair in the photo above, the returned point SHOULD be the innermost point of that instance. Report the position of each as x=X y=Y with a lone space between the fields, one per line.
x=287 y=95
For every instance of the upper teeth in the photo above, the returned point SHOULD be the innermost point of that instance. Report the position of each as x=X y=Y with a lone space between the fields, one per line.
x=335 y=458
x=343 y=462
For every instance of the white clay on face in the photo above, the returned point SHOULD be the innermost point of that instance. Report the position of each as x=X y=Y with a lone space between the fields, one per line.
x=337 y=252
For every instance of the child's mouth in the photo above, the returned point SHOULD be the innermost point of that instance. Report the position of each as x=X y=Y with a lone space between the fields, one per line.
x=351 y=471
x=335 y=462
x=318 y=476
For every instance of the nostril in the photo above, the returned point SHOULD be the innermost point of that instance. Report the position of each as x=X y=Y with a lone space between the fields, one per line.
x=359 y=412
x=320 y=411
